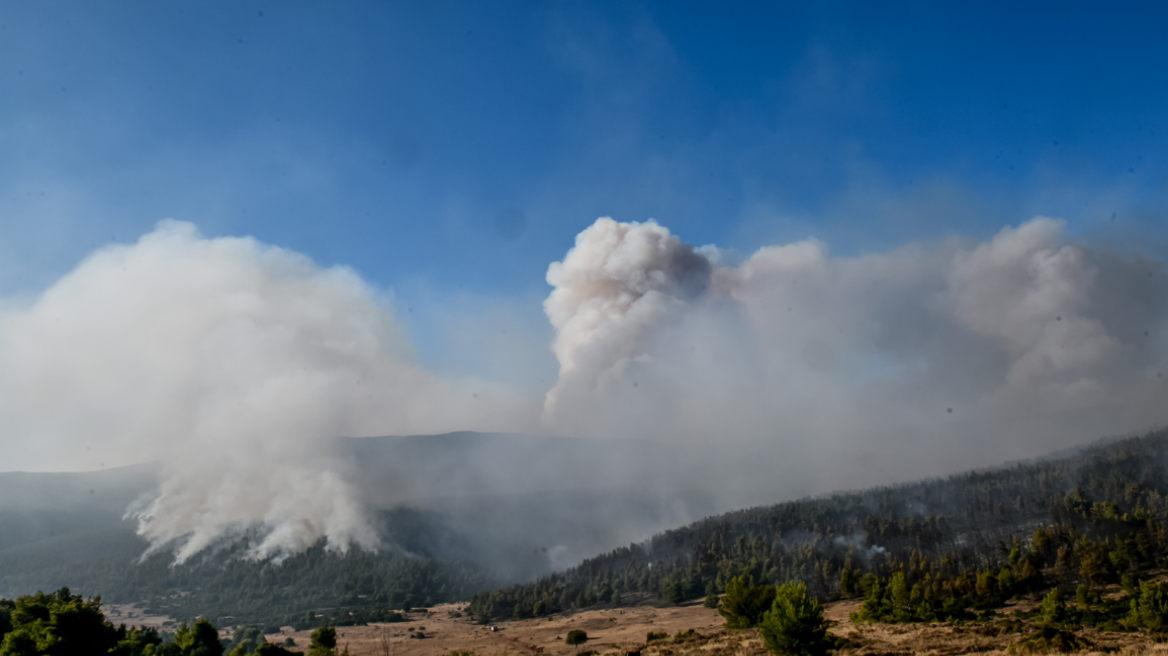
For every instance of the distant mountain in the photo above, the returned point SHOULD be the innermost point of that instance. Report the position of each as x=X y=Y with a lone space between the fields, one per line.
x=38 y=507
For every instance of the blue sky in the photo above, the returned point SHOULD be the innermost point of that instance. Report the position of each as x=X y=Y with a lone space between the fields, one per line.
x=449 y=152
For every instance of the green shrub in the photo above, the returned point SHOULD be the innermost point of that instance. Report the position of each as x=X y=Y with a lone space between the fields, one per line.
x=651 y=636
x=672 y=591
x=576 y=637
x=897 y=602
x=794 y=625
x=1053 y=611
x=245 y=638
x=1149 y=608
x=272 y=649
x=744 y=607
x=847 y=583
x=1086 y=596
x=1047 y=640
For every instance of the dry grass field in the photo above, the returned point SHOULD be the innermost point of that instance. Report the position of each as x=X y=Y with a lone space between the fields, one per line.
x=613 y=631
x=132 y=615
x=446 y=629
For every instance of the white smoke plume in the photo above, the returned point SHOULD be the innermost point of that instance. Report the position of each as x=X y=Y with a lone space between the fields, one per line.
x=846 y=371
x=618 y=282
x=796 y=371
x=232 y=361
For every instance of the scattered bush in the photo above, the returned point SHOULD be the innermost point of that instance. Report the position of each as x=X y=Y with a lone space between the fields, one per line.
x=245 y=638
x=651 y=636
x=794 y=625
x=324 y=638
x=576 y=637
x=272 y=649
x=743 y=607
x=1048 y=640
x=1053 y=611
x=1149 y=608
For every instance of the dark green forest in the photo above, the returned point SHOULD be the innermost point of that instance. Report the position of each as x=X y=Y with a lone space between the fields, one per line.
x=479 y=517
x=67 y=624
x=933 y=549
x=231 y=589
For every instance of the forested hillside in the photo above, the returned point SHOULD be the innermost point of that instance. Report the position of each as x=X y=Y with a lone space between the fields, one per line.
x=1089 y=517
x=457 y=514
x=229 y=588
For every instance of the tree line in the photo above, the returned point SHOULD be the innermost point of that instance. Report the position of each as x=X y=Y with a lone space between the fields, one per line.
x=67 y=624
x=228 y=587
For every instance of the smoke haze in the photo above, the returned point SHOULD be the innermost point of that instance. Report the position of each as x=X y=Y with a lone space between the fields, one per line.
x=235 y=362
x=848 y=371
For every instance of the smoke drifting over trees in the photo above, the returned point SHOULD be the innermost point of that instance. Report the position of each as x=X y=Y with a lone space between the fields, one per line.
x=235 y=362
x=231 y=360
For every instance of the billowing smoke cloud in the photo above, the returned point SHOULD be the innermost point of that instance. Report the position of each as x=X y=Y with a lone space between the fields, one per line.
x=795 y=371
x=618 y=283
x=846 y=371
x=233 y=361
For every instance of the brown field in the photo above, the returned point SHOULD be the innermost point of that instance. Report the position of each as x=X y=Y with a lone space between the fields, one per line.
x=609 y=629
x=612 y=631
x=132 y=615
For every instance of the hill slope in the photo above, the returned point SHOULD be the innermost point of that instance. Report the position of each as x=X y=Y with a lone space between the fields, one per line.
x=458 y=513
x=963 y=525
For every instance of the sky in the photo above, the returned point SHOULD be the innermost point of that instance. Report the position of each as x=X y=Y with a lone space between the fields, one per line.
x=453 y=150
x=951 y=180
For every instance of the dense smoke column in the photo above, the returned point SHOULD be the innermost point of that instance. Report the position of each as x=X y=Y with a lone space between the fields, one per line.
x=611 y=290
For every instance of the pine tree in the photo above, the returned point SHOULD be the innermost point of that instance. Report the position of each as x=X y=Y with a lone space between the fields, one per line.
x=847 y=584
x=794 y=625
x=1149 y=610
x=742 y=606
x=1053 y=611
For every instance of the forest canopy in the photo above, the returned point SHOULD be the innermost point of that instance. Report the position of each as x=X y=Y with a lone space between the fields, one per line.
x=1088 y=517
